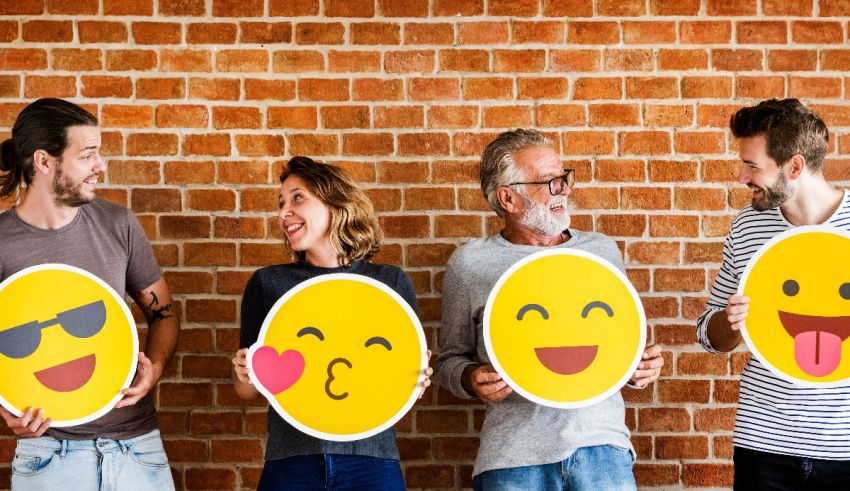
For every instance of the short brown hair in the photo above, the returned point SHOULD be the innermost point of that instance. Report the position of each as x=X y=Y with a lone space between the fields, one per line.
x=789 y=127
x=354 y=229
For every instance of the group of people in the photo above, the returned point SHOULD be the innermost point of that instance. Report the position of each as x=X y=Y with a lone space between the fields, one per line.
x=786 y=436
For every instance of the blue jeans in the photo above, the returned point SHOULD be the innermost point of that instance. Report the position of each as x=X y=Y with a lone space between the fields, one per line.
x=603 y=467
x=100 y=465
x=775 y=472
x=332 y=473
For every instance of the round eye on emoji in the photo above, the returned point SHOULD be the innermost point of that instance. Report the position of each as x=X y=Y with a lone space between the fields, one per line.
x=68 y=344
x=566 y=343
x=791 y=288
x=844 y=291
x=341 y=373
x=801 y=335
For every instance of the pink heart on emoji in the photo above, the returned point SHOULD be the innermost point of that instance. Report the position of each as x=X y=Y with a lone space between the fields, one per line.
x=277 y=373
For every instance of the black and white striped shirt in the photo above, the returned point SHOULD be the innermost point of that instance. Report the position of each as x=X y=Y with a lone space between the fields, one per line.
x=775 y=415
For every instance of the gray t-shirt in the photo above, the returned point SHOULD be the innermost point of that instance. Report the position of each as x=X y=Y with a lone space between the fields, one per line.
x=106 y=240
x=516 y=431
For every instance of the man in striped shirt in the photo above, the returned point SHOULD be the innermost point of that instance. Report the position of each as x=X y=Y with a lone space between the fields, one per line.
x=786 y=436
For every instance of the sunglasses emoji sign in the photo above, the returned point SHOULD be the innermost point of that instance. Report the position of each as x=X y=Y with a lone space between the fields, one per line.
x=799 y=316
x=564 y=328
x=68 y=344
x=340 y=357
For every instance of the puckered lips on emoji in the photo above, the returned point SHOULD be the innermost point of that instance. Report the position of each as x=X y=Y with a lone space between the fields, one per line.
x=817 y=340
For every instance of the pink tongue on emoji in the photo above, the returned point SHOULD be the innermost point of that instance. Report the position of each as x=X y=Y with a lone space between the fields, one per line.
x=277 y=373
x=69 y=376
x=818 y=353
x=817 y=340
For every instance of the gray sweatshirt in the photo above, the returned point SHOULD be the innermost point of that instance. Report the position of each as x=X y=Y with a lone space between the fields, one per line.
x=516 y=431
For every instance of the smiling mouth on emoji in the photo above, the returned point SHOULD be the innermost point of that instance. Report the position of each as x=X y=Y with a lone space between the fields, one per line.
x=817 y=340
x=566 y=360
x=68 y=376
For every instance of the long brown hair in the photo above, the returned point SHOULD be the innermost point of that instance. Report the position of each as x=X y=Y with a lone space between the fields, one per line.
x=354 y=230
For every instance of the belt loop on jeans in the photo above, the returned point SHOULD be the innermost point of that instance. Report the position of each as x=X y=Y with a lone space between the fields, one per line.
x=63 y=447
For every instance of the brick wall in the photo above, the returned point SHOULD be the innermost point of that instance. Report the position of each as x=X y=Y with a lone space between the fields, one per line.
x=201 y=100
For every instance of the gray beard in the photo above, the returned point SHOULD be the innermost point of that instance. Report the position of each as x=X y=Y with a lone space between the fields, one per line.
x=538 y=218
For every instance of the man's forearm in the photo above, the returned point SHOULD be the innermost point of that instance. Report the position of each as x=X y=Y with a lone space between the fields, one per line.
x=161 y=343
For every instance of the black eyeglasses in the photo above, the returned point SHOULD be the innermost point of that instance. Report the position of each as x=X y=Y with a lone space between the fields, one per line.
x=81 y=322
x=557 y=185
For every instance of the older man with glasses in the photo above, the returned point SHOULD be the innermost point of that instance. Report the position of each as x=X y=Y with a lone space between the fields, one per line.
x=525 y=445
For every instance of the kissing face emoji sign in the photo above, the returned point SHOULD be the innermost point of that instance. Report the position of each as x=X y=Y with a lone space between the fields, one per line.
x=68 y=344
x=564 y=328
x=799 y=317
x=340 y=357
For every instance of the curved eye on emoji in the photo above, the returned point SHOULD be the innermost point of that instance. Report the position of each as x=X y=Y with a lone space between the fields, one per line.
x=68 y=344
x=340 y=357
x=564 y=328
x=799 y=316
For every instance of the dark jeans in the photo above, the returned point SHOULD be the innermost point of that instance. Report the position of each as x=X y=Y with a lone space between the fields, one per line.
x=764 y=471
x=331 y=473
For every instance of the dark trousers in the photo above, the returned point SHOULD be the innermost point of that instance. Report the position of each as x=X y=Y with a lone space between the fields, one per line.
x=764 y=471
x=331 y=473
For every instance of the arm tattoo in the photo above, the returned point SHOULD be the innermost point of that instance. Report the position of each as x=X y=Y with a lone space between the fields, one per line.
x=157 y=312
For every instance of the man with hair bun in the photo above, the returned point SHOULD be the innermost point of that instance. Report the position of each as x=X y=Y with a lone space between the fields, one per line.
x=52 y=163
x=787 y=437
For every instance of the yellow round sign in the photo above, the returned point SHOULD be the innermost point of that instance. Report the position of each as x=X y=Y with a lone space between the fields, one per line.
x=799 y=316
x=68 y=344
x=564 y=328
x=340 y=357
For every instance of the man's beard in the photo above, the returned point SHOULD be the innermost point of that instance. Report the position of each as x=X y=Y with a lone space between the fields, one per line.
x=773 y=196
x=539 y=218
x=67 y=192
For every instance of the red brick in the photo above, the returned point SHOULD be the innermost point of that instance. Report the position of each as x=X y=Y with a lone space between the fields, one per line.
x=375 y=33
x=10 y=86
x=106 y=86
x=629 y=59
x=236 y=117
x=182 y=7
x=429 y=476
x=451 y=8
x=367 y=144
x=186 y=60
x=653 y=32
x=133 y=172
x=700 y=199
x=547 y=32
x=614 y=114
x=800 y=8
x=23 y=59
x=155 y=200
x=513 y=61
x=313 y=144
x=574 y=60
x=399 y=117
x=151 y=144
x=700 y=142
x=656 y=474
x=487 y=88
x=726 y=7
x=415 y=61
x=830 y=8
x=354 y=61
x=349 y=8
x=646 y=198
x=582 y=32
x=260 y=145
x=265 y=32
x=598 y=88
x=316 y=89
x=126 y=116
x=210 y=478
x=183 y=227
x=464 y=60
x=705 y=32
x=681 y=447
x=211 y=33
x=423 y=144
x=49 y=86
x=433 y=89
x=683 y=59
x=674 y=7
x=403 y=8
x=486 y=33
x=506 y=116
x=592 y=198
x=102 y=32
x=237 y=8
x=157 y=33
x=293 y=8
x=762 y=32
x=664 y=419
x=242 y=60
x=313 y=33
x=374 y=89
x=47 y=31
x=515 y=8
x=452 y=116
x=179 y=116
x=211 y=144
x=542 y=88
x=815 y=87
x=588 y=142
x=708 y=475
x=792 y=60
x=429 y=33
x=621 y=225
x=297 y=117
x=652 y=87
x=297 y=61
x=128 y=7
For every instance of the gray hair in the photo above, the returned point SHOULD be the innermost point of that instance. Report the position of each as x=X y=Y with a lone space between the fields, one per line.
x=497 y=163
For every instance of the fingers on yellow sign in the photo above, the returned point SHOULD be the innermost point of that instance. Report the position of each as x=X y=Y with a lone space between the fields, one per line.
x=68 y=344
x=340 y=357
x=564 y=328
x=799 y=315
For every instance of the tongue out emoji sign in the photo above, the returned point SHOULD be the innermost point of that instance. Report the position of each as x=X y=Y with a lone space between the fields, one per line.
x=799 y=318
x=340 y=357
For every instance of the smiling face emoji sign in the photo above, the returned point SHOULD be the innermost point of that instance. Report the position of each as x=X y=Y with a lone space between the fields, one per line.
x=340 y=357
x=564 y=328
x=68 y=344
x=799 y=317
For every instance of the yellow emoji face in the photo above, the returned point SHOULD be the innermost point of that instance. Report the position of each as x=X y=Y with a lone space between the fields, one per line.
x=340 y=357
x=799 y=317
x=564 y=328
x=68 y=344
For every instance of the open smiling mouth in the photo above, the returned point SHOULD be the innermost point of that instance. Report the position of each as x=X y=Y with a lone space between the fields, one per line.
x=68 y=376
x=566 y=360
x=817 y=340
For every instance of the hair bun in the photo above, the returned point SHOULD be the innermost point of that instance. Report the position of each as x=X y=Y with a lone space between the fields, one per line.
x=8 y=155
